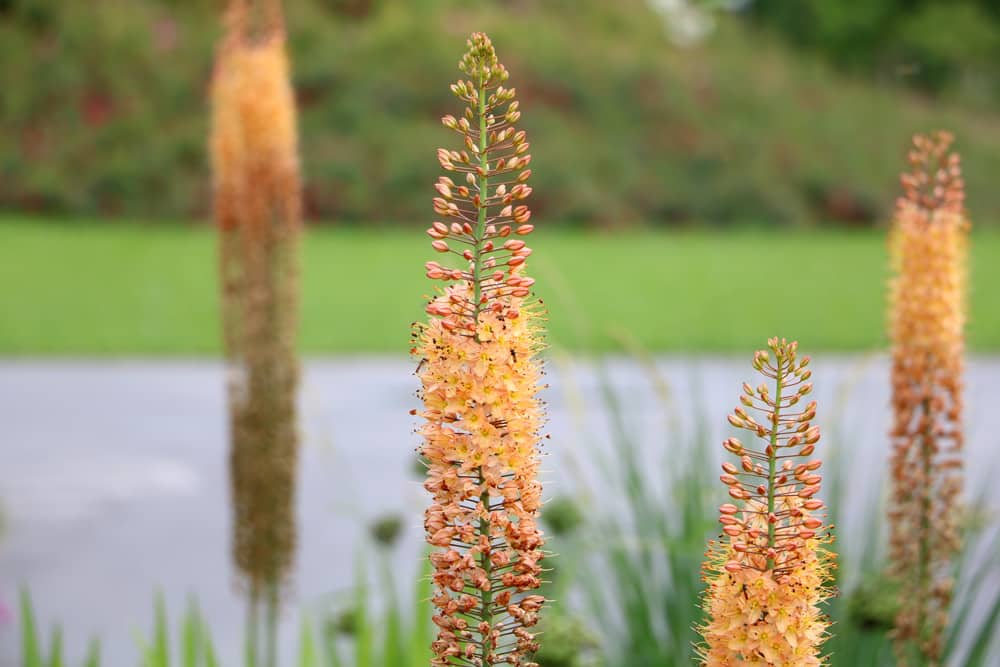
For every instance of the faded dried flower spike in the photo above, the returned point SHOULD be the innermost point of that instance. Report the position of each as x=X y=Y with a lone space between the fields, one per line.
x=927 y=315
x=768 y=575
x=480 y=378
x=256 y=201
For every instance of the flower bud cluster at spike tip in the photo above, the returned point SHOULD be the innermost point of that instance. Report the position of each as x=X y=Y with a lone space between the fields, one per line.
x=482 y=208
x=768 y=573
x=935 y=181
x=928 y=240
x=480 y=377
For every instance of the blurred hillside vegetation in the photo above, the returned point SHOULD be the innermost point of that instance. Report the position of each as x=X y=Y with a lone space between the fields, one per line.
x=638 y=112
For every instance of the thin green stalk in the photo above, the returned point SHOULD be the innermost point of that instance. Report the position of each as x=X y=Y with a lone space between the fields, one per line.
x=772 y=458
x=273 y=602
x=250 y=649
x=393 y=650
x=484 y=165
x=486 y=596
x=924 y=548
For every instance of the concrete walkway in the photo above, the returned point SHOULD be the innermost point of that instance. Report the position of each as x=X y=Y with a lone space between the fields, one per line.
x=113 y=474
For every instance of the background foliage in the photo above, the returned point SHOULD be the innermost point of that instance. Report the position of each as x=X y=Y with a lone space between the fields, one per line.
x=936 y=46
x=106 y=106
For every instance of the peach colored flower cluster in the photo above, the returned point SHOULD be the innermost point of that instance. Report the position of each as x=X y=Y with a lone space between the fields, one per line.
x=767 y=577
x=927 y=316
x=480 y=377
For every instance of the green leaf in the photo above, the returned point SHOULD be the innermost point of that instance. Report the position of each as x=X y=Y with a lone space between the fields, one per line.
x=985 y=637
x=208 y=648
x=421 y=634
x=190 y=636
x=55 y=648
x=30 y=649
x=393 y=647
x=160 y=656
x=93 y=654
x=307 y=645
x=364 y=655
x=332 y=653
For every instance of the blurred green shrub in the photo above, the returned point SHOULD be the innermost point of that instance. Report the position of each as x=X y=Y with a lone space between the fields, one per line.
x=935 y=45
x=104 y=104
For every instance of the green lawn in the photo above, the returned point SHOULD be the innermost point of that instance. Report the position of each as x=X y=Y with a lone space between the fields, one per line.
x=113 y=289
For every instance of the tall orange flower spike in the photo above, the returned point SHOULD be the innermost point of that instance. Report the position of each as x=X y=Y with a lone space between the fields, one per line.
x=480 y=377
x=257 y=212
x=768 y=575
x=927 y=316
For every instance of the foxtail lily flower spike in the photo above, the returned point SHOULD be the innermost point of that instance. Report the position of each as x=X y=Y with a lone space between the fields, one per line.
x=480 y=378
x=928 y=241
x=768 y=573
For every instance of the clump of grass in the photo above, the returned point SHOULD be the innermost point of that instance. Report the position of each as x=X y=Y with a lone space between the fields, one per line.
x=194 y=646
x=927 y=318
x=635 y=563
x=373 y=626
x=362 y=635
x=480 y=377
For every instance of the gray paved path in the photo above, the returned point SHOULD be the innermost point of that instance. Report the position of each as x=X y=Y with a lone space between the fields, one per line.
x=113 y=480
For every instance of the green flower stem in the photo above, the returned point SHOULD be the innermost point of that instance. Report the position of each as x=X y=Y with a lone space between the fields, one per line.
x=772 y=458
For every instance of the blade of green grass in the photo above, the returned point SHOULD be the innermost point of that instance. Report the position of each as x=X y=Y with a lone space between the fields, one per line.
x=364 y=642
x=157 y=654
x=307 y=645
x=984 y=639
x=30 y=649
x=393 y=642
x=93 y=654
x=421 y=634
x=208 y=648
x=190 y=636
x=55 y=648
